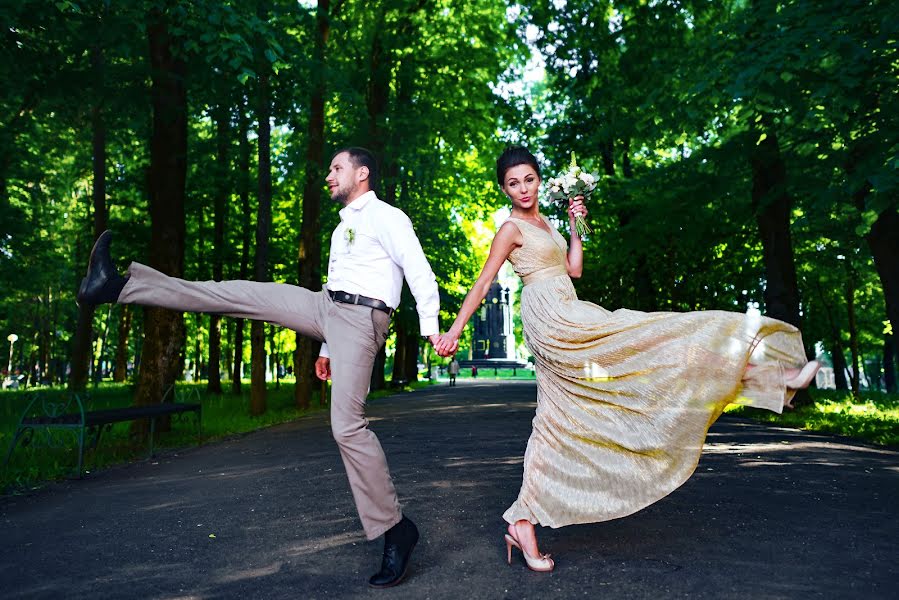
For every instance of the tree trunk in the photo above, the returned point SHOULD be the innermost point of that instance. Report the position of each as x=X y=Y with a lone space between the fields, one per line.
x=772 y=206
x=81 y=343
x=871 y=369
x=883 y=239
x=275 y=363
x=244 y=191
x=227 y=354
x=164 y=329
x=377 y=93
x=836 y=345
x=607 y=153
x=44 y=352
x=222 y=190
x=310 y=251
x=839 y=368
x=399 y=356
x=198 y=353
x=377 y=381
x=121 y=356
x=853 y=334
x=263 y=223
x=98 y=369
x=889 y=363
x=645 y=296
x=410 y=357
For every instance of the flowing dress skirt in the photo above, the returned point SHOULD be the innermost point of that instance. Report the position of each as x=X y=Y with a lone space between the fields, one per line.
x=625 y=398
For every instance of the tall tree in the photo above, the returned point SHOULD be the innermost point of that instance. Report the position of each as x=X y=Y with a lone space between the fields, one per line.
x=263 y=218
x=243 y=173
x=773 y=209
x=222 y=193
x=310 y=237
x=121 y=357
x=81 y=351
x=164 y=329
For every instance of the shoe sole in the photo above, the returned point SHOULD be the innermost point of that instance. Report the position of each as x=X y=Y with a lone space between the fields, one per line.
x=402 y=576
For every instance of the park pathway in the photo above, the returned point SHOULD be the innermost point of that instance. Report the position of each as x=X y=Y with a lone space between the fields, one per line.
x=770 y=513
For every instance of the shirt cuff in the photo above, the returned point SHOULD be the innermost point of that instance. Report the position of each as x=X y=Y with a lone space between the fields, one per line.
x=429 y=326
x=324 y=351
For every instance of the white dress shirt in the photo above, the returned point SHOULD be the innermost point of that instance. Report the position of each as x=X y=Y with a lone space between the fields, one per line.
x=372 y=249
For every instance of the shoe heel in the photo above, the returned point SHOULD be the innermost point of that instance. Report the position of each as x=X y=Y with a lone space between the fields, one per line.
x=508 y=550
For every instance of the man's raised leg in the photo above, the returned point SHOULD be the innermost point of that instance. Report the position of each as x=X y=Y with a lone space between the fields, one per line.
x=286 y=305
x=282 y=304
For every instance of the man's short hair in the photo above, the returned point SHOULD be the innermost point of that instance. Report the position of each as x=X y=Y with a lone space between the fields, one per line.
x=360 y=157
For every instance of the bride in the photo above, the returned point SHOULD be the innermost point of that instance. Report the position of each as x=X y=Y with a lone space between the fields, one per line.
x=624 y=398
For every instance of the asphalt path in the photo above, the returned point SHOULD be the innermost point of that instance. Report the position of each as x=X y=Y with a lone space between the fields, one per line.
x=769 y=513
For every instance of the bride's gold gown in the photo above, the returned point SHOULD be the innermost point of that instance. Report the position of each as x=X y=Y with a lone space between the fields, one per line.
x=625 y=398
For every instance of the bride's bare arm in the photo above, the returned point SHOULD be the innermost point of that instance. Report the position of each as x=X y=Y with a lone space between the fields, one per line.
x=507 y=239
x=575 y=258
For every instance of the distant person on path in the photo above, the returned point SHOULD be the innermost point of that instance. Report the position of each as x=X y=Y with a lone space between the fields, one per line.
x=372 y=249
x=453 y=371
x=624 y=398
x=474 y=371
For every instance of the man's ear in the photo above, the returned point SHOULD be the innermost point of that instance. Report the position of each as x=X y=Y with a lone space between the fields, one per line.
x=363 y=173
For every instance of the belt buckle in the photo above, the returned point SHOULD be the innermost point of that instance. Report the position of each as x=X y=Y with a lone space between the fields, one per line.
x=355 y=298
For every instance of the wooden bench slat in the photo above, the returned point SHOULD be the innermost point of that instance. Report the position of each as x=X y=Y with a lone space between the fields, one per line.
x=113 y=415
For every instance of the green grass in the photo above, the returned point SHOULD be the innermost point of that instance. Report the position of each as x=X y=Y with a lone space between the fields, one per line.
x=486 y=373
x=873 y=418
x=222 y=416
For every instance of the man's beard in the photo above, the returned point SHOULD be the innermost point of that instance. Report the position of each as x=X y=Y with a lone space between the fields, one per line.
x=342 y=195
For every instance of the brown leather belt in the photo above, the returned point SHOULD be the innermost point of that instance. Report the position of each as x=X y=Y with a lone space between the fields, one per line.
x=347 y=298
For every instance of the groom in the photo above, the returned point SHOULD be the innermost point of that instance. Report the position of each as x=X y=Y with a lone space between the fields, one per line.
x=372 y=249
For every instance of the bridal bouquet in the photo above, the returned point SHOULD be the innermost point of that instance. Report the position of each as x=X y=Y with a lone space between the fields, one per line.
x=574 y=182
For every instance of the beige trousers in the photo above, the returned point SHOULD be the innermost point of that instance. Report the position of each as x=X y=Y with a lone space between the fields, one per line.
x=354 y=334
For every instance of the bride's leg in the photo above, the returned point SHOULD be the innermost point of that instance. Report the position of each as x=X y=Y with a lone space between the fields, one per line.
x=795 y=379
x=799 y=379
x=521 y=535
x=523 y=531
x=789 y=374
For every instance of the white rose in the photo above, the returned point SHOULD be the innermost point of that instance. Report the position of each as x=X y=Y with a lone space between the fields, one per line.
x=587 y=178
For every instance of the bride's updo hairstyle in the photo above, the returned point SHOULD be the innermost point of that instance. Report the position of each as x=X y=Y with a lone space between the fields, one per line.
x=512 y=157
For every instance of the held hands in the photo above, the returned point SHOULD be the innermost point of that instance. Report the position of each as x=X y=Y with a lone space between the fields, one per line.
x=446 y=344
x=323 y=363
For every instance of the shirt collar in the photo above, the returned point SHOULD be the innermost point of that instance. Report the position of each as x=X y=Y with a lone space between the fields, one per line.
x=357 y=205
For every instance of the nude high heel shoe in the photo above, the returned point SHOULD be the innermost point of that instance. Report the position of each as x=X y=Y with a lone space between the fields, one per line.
x=541 y=564
x=804 y=377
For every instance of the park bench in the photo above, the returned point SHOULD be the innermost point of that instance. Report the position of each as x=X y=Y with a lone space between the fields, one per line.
x=69 y=415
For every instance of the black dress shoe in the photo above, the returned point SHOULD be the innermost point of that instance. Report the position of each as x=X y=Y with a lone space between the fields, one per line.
x=399 y=541
x=102 y=284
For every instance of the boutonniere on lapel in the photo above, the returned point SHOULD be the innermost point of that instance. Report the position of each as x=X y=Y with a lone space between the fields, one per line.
x=350 y=236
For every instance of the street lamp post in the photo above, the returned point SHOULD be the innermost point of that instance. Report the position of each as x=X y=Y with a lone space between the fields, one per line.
x=12 y=340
